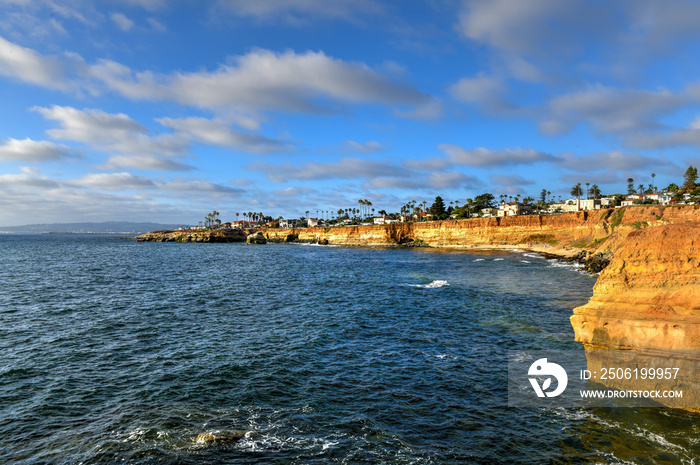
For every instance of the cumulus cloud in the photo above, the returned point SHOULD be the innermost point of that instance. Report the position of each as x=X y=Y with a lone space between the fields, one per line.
x=267 y=80
x=479 y=89
x=33 y=151
x=510 y=180
x=351 y=146
x=432 y=181
x=534 y=26
x=90 y=125
x=296 y=11
x=609 y=110
x=124 y=23
x=115 y=181
x=145 y=162
x=689 y=136
x=219 y=133
x=484 y=157
x=29 y=66
x=346 y=168
x=613 y=160
x=130 y=142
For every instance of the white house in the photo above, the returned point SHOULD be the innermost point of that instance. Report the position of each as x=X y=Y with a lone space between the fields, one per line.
x=513 y=208
x=289 y=223
x=383 y=220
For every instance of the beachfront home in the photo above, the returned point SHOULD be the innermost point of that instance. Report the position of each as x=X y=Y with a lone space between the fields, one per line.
x=241 y=224
x=383 y=220
x=513 y=209
x=589 y=204
x=489 y=212
x=313 y=222
x=630 y=199
x=663 y=197
x=289 y=223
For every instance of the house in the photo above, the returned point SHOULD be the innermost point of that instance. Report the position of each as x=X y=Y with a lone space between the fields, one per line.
x=663 y=197
x=489 y=212
x=289 y=223
x=513 y=209
x=589 y=204
x=630 y=199
x=383 y=220
x=313 y=222
x=242 y=224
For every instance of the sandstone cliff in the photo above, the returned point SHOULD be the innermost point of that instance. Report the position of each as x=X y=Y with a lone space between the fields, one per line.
x=649 y=295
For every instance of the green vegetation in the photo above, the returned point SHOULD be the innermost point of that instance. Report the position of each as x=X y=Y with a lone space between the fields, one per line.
x=580 y=244
x=437 y=209
x=545 y=238
x=617 y=218
x=640 y=224
x=601 y=240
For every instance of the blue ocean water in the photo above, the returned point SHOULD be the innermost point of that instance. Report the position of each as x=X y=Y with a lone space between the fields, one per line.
x=114 y=351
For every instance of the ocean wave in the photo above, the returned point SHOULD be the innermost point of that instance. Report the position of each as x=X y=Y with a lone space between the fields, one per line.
x=525 y=261
x=497 y=259
x=479 y=260
x=434 y=285
x=532 y=255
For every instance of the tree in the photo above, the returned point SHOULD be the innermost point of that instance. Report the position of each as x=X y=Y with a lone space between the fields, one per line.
x=630 y=185
x=595 y=191
x=577 y=192
x=640 y=188
x=437 y=209
x=653 y=188
x=690 y=178
x=543 y=196
x=588 y=190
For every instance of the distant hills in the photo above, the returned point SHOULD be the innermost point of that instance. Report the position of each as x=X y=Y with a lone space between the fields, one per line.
x=122 y=227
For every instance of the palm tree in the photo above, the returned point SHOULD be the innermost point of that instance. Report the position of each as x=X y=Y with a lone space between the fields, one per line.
x=577 y=192
x=587 y=189
x=469 y=207
x=595 y=191
x=653 y=175
x=640 y=188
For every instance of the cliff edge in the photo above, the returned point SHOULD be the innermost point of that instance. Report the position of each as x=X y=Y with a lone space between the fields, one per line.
x=649 y=295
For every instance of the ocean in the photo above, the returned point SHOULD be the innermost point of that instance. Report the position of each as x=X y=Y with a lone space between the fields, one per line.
x=114 y=351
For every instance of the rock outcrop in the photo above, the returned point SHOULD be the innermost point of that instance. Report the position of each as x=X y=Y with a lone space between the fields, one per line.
x=648 y=297
x=256 y=238
x=201 y=235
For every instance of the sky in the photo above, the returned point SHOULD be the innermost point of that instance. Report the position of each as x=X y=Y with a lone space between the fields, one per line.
x=155 y=110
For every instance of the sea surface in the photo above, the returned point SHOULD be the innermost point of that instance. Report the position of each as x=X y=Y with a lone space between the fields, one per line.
x=113 y=351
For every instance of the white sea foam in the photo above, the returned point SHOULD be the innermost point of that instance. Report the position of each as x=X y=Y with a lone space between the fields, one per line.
x=479 y=260
x=497 y=259
x=434 y=285
x=524 y=261
x=532 y=255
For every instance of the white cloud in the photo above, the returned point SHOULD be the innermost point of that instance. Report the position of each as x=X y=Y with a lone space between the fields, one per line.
x=33 y=151
x=613 y=160
x=157 y=25
x=510 y=180
x=124 y=23
x=115 y=181
x=351 y=146
x=90 y=125
x=346 y=168
x=145 y=162
x=479 y=89
x=609 y=110
x=219 y=133
x=29 y=66
x=297 y=11
x=484 y=157
x=265 y=80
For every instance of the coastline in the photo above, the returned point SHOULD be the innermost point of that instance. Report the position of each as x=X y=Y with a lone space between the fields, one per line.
x=647 y=296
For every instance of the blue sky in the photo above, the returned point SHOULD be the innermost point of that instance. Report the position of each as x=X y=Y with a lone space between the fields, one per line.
x=140 y=110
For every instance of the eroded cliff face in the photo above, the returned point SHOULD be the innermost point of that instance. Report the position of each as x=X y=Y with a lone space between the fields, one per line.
x=649 y=295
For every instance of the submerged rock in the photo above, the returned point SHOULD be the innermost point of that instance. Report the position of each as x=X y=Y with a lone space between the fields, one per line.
x=256 y=238
x=220 y=436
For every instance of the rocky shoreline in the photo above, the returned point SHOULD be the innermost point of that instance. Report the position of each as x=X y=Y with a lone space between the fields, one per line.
x=647 y=296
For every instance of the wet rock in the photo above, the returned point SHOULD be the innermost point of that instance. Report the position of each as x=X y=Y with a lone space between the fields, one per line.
x=256 y=238
x=220 y=436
